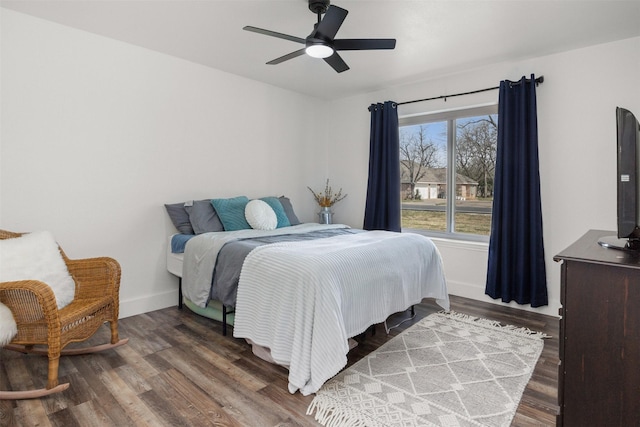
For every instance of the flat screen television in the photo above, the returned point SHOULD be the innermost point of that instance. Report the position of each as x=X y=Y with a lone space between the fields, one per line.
x=628 y=183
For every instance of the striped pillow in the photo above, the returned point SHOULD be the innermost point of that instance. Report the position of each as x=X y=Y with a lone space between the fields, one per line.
x=231 y=212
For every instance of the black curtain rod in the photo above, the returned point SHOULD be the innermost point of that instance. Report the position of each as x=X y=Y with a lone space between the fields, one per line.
x=537 y=81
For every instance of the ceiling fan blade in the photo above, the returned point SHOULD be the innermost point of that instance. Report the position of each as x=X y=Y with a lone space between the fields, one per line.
x=330 y=24
x=336 y=63
x=274 y=34
x=364 y=44
x=287 y=57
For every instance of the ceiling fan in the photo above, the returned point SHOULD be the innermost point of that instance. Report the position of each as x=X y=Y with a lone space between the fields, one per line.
x=321 y=42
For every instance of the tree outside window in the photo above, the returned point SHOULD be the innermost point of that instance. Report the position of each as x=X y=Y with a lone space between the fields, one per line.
x=447 y=162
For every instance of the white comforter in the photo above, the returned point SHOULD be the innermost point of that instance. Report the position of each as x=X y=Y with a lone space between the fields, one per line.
x=303 y=300
x=201 y=252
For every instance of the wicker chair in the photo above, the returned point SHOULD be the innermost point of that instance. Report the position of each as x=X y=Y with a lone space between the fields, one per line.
x=39 y=321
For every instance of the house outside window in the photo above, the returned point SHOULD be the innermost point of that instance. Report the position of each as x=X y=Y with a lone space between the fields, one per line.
x=447 y=164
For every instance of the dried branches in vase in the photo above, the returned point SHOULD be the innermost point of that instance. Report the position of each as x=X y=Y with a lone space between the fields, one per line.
x=327 y=198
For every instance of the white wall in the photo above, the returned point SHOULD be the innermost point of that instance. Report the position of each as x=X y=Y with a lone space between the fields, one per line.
x=97 y=135
x=576 y=125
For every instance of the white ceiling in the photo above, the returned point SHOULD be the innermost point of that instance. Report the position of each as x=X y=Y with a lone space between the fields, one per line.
x=433 y=37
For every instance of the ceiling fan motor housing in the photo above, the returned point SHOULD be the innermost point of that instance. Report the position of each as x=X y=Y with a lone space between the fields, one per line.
x=318 y=6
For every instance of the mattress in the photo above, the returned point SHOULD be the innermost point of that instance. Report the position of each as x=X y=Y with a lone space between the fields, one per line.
x=174 y=261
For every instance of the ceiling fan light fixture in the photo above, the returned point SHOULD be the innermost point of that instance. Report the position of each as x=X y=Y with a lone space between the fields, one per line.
x=319 y=50
x=322 y=42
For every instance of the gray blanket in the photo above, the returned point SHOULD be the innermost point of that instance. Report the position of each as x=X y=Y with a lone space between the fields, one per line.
x=226 y=273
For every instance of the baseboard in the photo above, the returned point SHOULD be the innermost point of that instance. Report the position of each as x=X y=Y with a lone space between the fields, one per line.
x=131 y=307
x=476 y=292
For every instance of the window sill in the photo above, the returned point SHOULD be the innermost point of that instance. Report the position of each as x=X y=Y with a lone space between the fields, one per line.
x=454 y=240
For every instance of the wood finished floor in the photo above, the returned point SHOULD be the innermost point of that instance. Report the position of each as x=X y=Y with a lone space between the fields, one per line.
x=178 y=370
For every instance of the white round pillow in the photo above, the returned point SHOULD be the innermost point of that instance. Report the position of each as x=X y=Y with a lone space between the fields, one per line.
x=260 y=215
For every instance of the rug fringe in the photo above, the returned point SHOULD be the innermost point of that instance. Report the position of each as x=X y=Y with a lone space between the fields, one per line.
x=332 y=413
x=493 y=323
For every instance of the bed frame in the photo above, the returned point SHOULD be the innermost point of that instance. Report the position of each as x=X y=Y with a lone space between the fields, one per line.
x=215 y=309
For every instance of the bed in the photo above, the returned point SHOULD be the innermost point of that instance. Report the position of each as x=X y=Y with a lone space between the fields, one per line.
x=301 y=291
x=214 y=296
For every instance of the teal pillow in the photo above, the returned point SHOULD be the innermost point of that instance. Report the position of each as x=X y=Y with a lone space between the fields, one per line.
x=231 y=212
x=281 y=215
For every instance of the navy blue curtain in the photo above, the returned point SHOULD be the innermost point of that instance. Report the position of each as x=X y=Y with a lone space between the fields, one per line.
x=382 y=209
x=516 y=268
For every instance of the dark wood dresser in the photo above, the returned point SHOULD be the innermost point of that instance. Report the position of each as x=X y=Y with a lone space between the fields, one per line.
x=599 y=372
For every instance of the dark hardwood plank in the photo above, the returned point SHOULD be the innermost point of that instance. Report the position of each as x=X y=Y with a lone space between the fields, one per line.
x=179 y=370
x=64 y=418
x=187 y=412
x=6 y=413
x=91 y=414
x=200 y=399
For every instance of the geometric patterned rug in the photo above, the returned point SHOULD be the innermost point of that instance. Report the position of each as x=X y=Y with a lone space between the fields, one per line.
x=447 y=370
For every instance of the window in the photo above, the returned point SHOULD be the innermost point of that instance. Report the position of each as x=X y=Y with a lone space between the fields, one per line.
x=447 y=163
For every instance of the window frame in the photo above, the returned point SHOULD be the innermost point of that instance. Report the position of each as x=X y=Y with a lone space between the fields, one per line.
x=449 y=116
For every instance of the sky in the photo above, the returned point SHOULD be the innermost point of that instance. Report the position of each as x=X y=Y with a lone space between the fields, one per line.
x=436 y=132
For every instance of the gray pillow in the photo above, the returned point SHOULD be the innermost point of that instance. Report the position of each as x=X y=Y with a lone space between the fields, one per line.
x=203 y=217
x=179 y=217
x=288 y=210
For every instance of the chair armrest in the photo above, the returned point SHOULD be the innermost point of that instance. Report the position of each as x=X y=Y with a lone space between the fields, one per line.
x=95 y=277
x=31 y=301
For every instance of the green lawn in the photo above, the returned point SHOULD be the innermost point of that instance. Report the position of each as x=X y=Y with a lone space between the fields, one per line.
x=464 y=222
